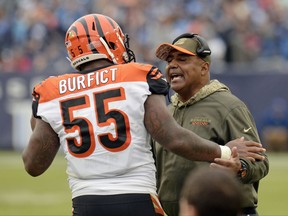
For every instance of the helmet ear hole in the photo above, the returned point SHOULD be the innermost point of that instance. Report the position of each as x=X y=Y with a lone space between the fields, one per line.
x=112 y=45
x=93 y=26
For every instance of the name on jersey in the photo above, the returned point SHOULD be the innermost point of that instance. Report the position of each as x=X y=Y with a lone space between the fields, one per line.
x=76 y=83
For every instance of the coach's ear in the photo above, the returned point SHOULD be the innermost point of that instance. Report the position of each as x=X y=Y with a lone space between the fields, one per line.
x=205 y=67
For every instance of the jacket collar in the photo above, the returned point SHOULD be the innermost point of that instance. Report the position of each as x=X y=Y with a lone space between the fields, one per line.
x=213 y=86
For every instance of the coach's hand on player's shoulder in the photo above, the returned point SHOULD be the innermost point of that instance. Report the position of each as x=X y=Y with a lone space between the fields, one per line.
x=248 y=149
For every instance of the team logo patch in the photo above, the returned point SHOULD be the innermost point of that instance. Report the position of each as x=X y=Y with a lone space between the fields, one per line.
x=200 y=121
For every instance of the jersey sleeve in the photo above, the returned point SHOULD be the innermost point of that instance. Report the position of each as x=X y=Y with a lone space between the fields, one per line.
x=42 y=92
x=35 y=102
x=157 y=82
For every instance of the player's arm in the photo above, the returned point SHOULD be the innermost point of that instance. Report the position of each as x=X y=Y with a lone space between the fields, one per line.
x=42 y=148
x=166 y=131
x=32 y=122
x=248 y=149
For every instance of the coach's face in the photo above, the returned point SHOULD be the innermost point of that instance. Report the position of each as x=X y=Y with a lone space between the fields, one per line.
x=186 y=74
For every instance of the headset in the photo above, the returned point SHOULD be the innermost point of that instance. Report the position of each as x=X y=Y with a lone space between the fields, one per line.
x=203 y=50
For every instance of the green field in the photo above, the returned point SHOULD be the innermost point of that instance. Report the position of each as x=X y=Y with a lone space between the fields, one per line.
x=273 y=189
x=21 y=194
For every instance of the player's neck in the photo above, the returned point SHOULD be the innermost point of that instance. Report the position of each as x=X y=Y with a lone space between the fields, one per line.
x=101 y=63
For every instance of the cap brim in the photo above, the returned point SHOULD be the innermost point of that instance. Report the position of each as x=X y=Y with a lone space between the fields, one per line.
x=164 y=49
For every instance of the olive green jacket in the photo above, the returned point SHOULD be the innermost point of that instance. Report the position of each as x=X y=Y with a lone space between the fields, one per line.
x=217 y=115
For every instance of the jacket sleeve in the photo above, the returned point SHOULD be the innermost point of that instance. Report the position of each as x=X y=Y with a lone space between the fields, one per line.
x=240 y=123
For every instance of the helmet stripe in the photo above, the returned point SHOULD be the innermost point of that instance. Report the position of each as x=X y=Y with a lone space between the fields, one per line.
x=85 y=25
x=111 y=22
x=99 y=28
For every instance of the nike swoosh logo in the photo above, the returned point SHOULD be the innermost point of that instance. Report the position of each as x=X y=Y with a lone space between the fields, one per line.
x=246 y=130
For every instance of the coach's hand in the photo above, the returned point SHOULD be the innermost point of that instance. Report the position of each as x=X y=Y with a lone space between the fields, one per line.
x=248 y=149
x=232 y=164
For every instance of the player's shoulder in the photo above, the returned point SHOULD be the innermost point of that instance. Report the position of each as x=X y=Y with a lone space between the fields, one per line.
x=141 y=66
x=51 y=81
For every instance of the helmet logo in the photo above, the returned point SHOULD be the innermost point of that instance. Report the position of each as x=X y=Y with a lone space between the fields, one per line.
x=71 y=34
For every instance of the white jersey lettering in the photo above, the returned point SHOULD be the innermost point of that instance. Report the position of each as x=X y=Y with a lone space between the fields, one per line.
x=76 y=83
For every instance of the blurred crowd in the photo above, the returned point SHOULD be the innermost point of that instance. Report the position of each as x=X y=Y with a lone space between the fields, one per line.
x=238 y=31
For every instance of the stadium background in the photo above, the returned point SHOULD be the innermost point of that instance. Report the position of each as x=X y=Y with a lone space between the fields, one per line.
x=248 y=39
